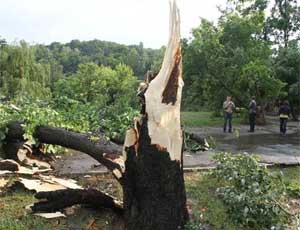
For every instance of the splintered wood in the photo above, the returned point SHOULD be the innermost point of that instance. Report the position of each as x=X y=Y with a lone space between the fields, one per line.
x=48 y=183
x=22 y=156
x=12 y=167
x=163 y=96
x=3 y=183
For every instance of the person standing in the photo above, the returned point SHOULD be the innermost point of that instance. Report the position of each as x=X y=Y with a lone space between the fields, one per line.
x=252 y=114
x=228 y=107
x=284 y=113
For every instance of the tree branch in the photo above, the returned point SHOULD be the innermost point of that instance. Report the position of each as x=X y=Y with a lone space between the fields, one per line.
x=104 y=151
x=57 y=200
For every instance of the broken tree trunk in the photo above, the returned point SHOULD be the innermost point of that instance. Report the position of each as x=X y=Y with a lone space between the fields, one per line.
x=14 y=140
x=154 y=192
x=15 y=147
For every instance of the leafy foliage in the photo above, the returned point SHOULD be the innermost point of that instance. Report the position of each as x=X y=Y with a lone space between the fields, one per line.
x=102 y=96
x=287 y=69
x=251 y=192
x=284 y=22
x=229 y=59
x=21 y=74
x=74 y=53
x=242 y=55
x=33 y=114
x=94 y=99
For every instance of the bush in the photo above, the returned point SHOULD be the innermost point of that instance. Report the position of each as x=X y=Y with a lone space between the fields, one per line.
x=250 y=191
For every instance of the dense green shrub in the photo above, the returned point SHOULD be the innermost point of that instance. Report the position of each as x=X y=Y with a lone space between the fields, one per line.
x=251 y=192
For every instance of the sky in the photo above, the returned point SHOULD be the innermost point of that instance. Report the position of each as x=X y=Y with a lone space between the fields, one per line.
x=123 y=21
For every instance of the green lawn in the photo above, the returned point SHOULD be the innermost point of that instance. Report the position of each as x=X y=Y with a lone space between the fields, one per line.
x=193 y=119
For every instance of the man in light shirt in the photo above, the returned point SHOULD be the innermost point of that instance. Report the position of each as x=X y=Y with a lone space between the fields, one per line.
x=228 y=107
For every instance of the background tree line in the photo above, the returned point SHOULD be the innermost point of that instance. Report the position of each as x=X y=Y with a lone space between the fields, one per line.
x=250 y=51
x=91 y=84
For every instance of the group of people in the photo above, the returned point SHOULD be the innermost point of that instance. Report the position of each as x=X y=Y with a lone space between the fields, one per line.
x=229 y=106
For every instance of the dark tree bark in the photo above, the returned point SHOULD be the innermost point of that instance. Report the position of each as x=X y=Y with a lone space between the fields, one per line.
x=14 y=140
x=294 y=113
x=102 y=150
x=9 y=165
x=154 y=192
x=198 y=138
x=15 y=131
x=58 y=200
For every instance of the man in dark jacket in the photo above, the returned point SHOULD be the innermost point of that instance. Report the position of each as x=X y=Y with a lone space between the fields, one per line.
x=252 y=114
x=284 y=113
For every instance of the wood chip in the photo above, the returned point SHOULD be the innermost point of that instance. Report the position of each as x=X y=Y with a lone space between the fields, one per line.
x=12 y=167
x=40 y=186
x=3 y=183
x=51 y=215
x=91 y=224
x=67 y=183
x=25 y=159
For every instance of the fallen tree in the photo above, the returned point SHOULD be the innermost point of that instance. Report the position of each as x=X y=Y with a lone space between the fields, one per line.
x=150 y=166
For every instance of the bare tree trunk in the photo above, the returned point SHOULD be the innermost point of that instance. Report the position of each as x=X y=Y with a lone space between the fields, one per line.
x=293 y=112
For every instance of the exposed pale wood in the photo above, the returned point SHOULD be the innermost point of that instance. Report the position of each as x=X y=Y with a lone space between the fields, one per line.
x=163 y=95
x=51 y=215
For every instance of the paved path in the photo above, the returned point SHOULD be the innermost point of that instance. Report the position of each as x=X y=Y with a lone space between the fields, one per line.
x=266 y=142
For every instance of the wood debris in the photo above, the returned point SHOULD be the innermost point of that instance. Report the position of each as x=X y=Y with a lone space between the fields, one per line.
x=51 y=215
x=12 y=167
x=3 y=183
x=48 y=183
x=39 y=185
x=23 y=156
x=9 y=165
x=67 y=183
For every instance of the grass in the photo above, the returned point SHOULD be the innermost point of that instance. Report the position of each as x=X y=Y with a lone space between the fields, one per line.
x=291 y=178
x=206 y=207
x=194 y=119
x=291 y=175
x=14 y=217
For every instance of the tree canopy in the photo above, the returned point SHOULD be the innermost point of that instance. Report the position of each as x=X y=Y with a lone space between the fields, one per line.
x=246 y=53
